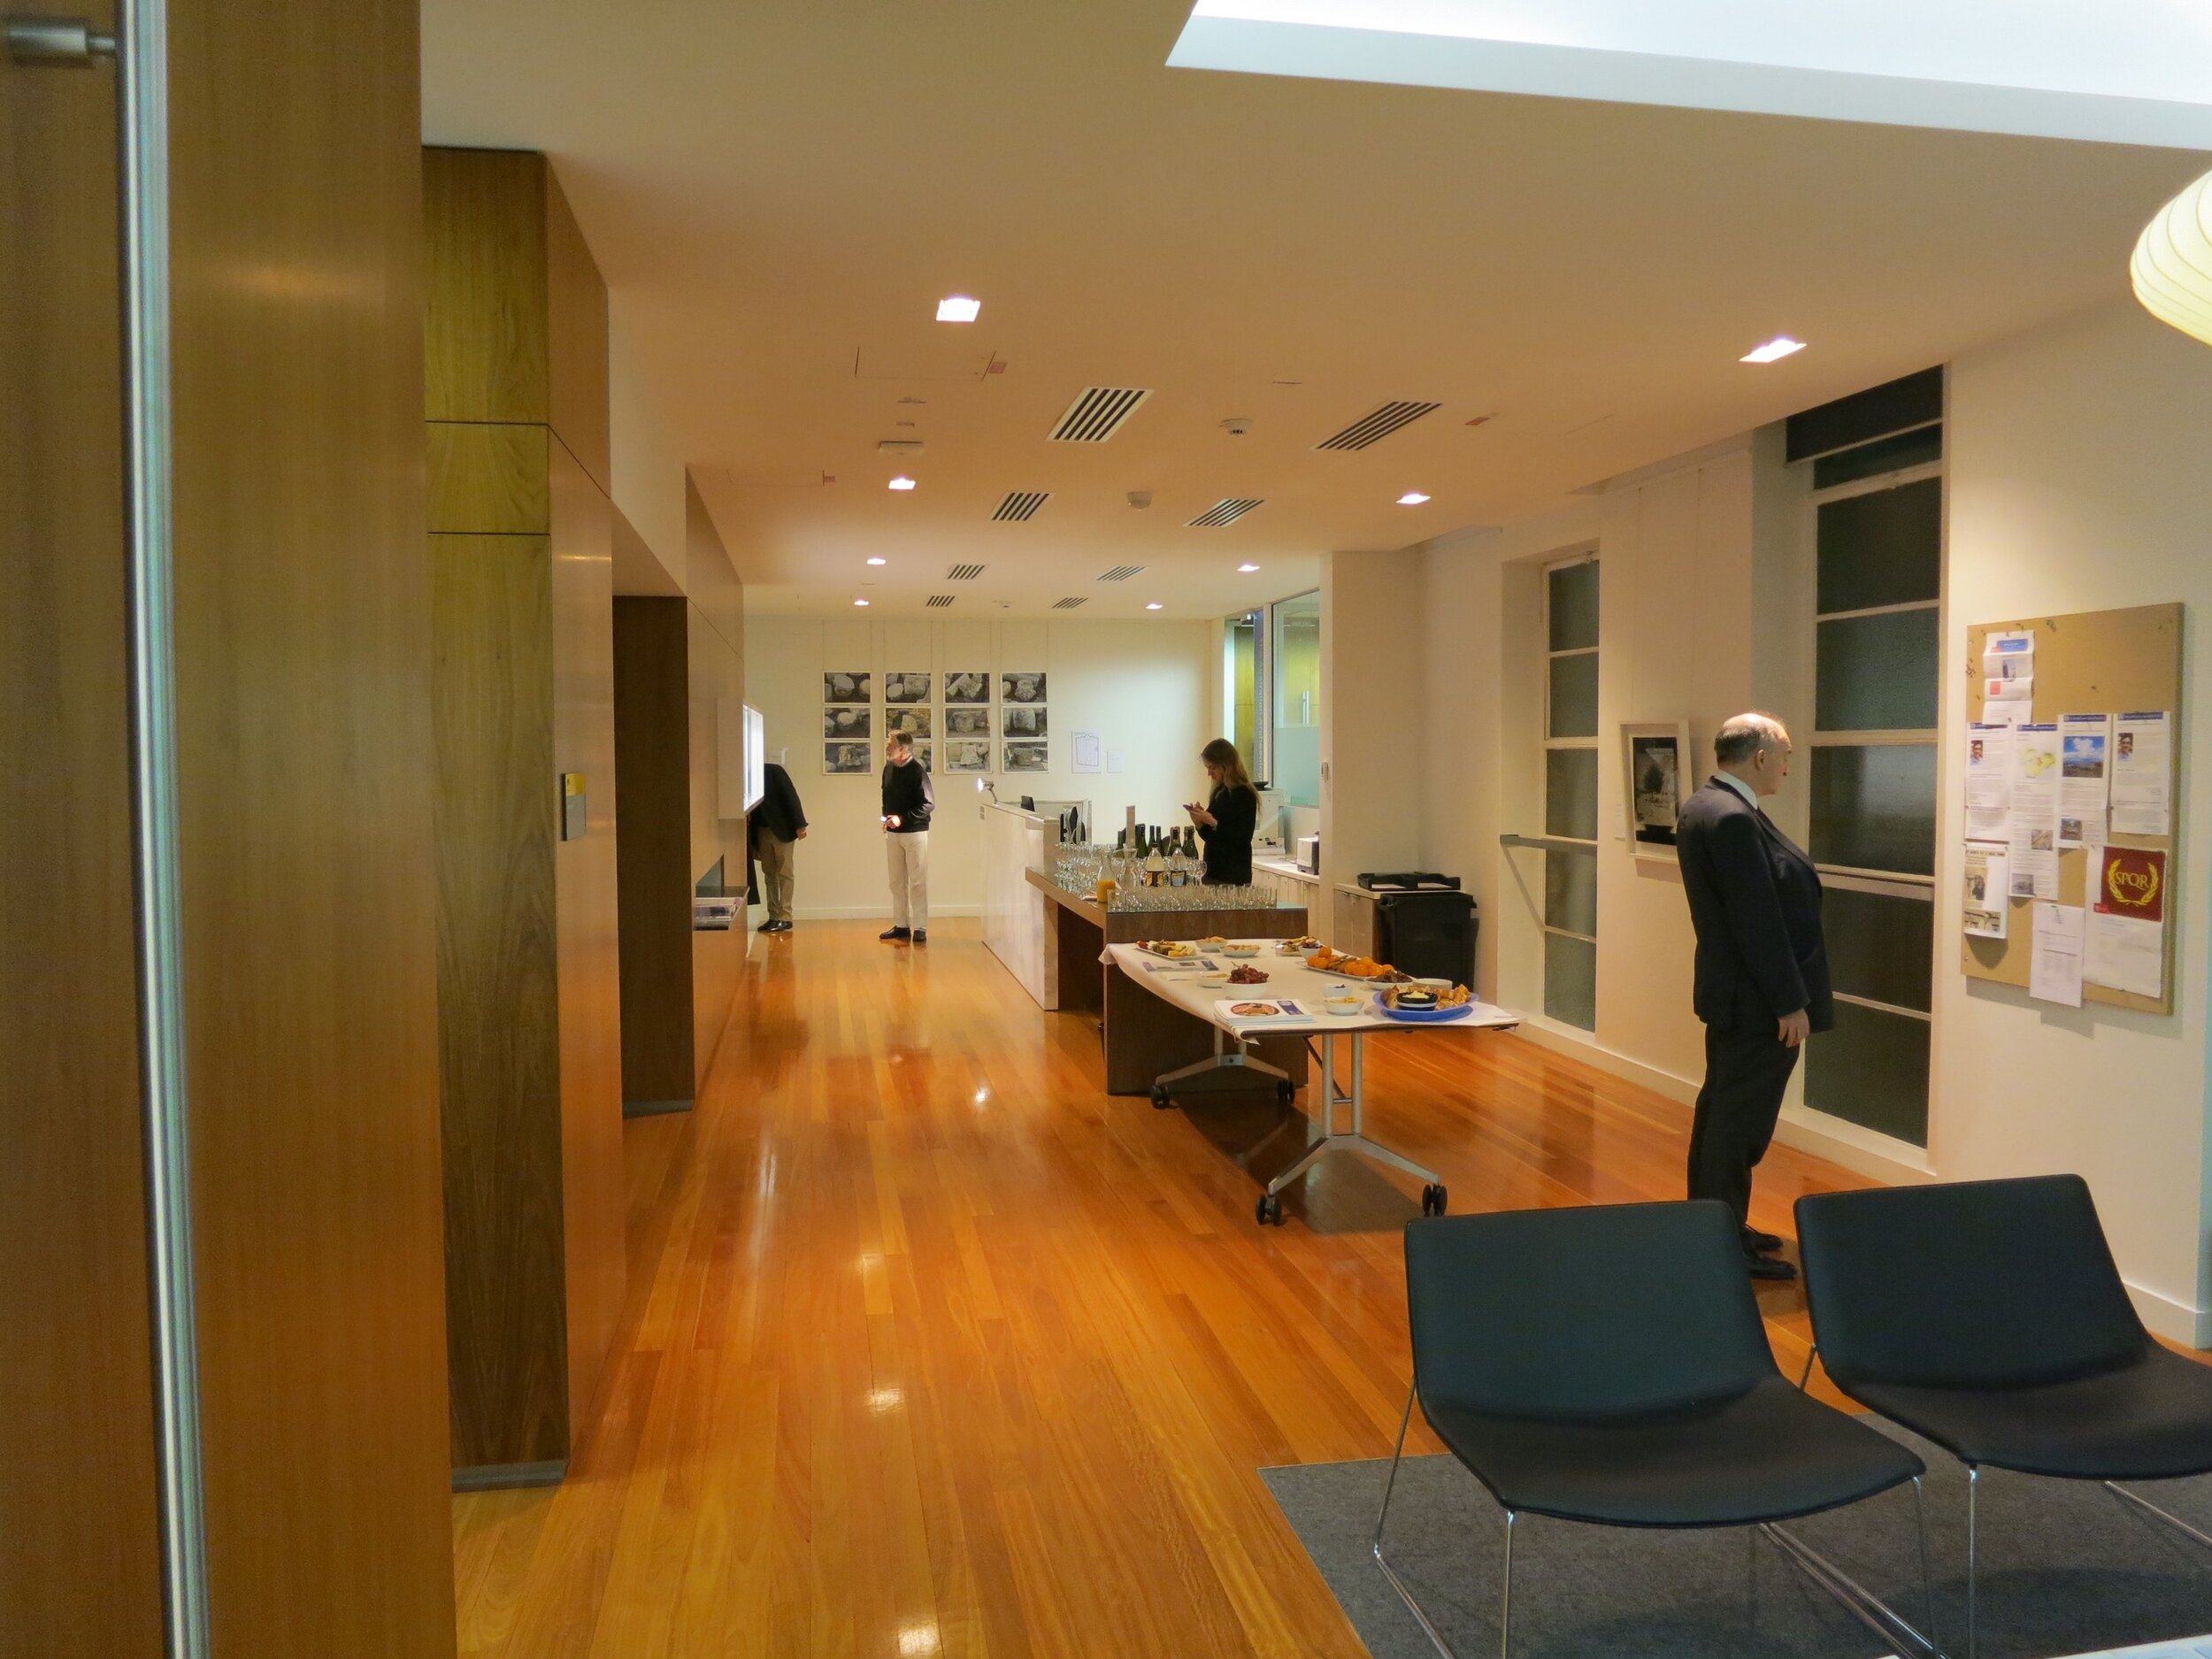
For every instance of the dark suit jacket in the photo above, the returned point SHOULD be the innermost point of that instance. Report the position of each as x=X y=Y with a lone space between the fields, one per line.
x=1229 y=842
x=1754 y=900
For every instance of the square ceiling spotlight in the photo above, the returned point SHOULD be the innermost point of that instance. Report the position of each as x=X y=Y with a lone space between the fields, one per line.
x=1774 y=349
x=958 y=308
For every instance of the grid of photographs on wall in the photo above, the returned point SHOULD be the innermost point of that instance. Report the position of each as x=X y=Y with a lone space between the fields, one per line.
x=849 y=727
x=1022 y=722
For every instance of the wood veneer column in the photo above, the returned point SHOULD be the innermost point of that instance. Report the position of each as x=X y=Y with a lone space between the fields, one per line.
x=653 y=784
x=528 y=983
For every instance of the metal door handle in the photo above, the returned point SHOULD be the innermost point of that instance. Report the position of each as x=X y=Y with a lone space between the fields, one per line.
x=62 y=42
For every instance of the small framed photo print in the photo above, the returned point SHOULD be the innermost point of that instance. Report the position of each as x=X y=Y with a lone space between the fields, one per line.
x=858 y=723
x=967 y=754
x=922 y=754
x=1021 y=688
x=973 y=686
x=906 y=688
x=848 y=687
x=1657 y=755
x=968 y=722
x=1026 y=758
x=913 y=722
x=848 y=759
x=1023 y=721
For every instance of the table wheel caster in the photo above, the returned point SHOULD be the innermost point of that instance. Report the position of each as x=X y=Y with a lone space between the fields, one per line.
x=1160 y=1101
x=1286 y=1091
x=1432 y=1197
x=1270 y=1210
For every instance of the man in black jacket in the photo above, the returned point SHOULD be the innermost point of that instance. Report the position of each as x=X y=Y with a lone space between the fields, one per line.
x=774 y=826
x=907 y=802
x=1761 y=980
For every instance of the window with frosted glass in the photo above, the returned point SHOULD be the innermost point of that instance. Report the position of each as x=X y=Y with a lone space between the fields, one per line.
x=1878 y=534
x=1295 y=729
x=1570 y=791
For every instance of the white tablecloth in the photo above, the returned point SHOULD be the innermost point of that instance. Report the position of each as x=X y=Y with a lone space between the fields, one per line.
x=1288 y=978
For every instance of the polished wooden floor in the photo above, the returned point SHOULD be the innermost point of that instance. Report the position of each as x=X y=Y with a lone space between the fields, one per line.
x=931 y=1347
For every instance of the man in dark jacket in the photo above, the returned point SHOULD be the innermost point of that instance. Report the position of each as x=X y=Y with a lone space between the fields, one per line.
x=1761 y=980
x=774 y=826
x=907 y=802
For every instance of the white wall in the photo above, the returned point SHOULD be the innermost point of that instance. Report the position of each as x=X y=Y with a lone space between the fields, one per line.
x=647 y=468
x=1375 y=744
x=2080 y=480
x=1152 y=689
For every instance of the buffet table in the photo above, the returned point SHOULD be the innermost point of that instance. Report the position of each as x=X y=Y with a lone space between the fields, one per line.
x=1290 y=982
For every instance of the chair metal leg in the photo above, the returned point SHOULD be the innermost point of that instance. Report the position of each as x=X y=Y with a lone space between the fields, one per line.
x=1413 y=1607
x=1505 y=1611
x=2153 y=1510
x=1861 y=1604
x=1811 y=1353
x=1927 y=1579
x=1973 y=1610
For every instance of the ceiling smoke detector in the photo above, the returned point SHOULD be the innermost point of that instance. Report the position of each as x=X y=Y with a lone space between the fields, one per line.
x=1237 y=425
x=1139 y=498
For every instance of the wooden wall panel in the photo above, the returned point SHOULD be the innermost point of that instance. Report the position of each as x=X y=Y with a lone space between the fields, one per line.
x=302 y=610
x=591 y=971
x=499 y=1047
x=489 y=480
x=79 y=1555
x=576 y=341
x=652 y=691
x=484 y=220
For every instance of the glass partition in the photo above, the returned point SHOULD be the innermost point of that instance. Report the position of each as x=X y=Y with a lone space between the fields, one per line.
x=1295 y=738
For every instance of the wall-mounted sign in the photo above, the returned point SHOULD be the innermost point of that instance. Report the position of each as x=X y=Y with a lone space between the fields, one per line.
x=574 y=817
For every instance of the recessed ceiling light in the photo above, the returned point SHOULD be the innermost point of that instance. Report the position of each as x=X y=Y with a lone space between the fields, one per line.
x=875 y=561
x=860 y=602
x=901 y=482
x=1781 y=346
x=958 y=308
x=1411 y=498
x=1246 y=570
x=1155 y=605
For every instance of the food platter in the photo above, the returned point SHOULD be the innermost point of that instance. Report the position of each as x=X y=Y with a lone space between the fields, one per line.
x=1173 y=949
x=1422 y=1016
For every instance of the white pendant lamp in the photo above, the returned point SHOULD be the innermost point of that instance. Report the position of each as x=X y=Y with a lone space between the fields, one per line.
x=2173 y=267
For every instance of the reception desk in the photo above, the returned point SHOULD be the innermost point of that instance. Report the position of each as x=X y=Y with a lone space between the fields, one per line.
x=1142 y=1037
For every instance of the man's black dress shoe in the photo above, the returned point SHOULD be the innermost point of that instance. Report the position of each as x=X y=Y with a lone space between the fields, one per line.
x=777 y=927
x=921 y=936
x=1757 y=1243
x=897 y=932
x=1767 y=1267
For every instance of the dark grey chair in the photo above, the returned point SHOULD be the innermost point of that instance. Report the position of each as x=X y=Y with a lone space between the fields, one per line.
x=1607 y=1365
x=1988 y=1317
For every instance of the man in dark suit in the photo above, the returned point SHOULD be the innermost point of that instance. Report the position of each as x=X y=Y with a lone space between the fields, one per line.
x=1761 y=982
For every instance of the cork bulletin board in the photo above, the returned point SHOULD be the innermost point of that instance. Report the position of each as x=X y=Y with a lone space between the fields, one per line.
x=2093 y=661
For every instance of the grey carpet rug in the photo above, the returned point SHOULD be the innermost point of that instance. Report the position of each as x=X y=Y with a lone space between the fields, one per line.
x=2066 y=1569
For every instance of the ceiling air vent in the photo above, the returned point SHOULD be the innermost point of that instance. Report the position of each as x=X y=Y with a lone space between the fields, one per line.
x=964 y=573
x=1097 y=412
x=1066 y=604
x=1224 y=512
x=1119 y=573
x=1376 y=425
x=937 y=602
x=1021 y=505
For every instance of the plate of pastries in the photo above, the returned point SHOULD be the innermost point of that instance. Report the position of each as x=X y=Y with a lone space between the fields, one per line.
x=1420 y=1003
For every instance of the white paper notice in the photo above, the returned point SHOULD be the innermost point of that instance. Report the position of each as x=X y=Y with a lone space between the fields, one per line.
x=1113 y=760
x=2008 y=656
x=2124 y=954
x=1088 y=753
x=2085 y=749
x=2142 y=773
x=1988 y=898
x=1989 y=783
x=2034 y=843
x=2006 y=714
x=2054 y=969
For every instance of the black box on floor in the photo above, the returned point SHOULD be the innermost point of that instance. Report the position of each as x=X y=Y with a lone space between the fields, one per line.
x=1428 y=934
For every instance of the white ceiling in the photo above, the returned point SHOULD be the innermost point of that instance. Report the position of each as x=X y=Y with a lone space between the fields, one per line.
x=779 y=192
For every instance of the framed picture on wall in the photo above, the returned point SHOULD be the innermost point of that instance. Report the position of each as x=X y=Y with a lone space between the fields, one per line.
x=922 y=752
x=1023 y=722
x=906 y=688
x=968 y=722
x=848 y=687
x=967 y=754
x=841 y=760
x=1027 y=757
x=1658 y=758
x=972 y=686
x=913 y=722
x=849 y=723
x=1021 y=688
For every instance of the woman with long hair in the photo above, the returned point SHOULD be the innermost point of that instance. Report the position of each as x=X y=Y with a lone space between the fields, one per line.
x=1227 y=821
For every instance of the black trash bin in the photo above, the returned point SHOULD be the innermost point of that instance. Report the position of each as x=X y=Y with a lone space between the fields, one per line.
x=1429 y=935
